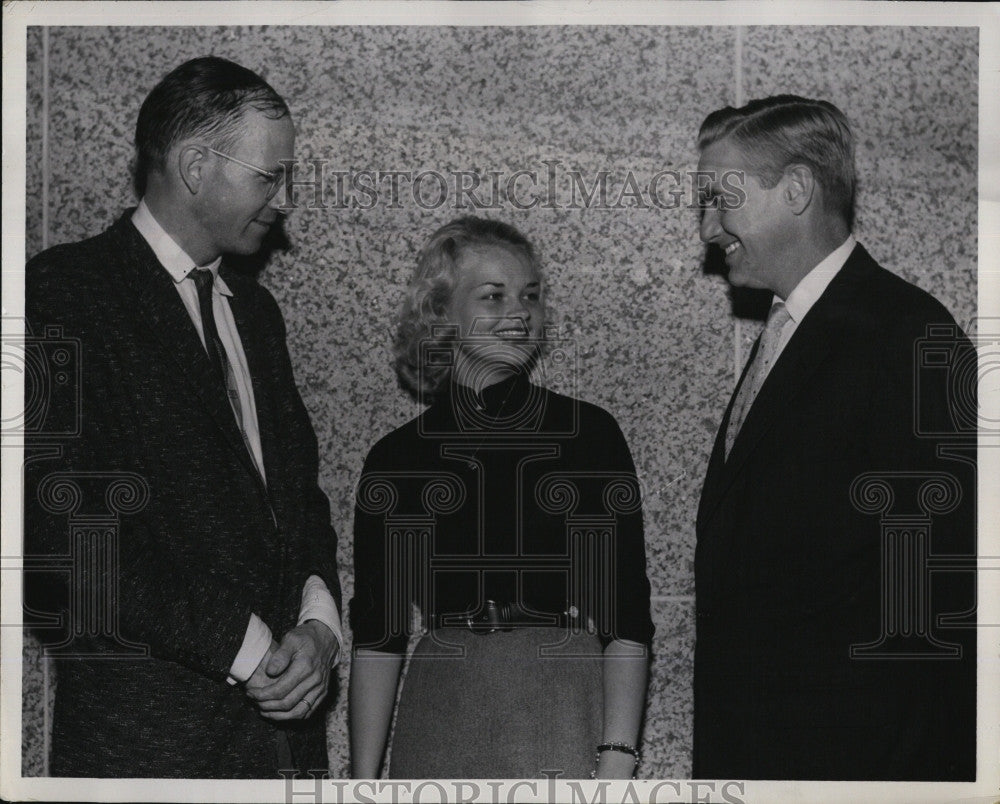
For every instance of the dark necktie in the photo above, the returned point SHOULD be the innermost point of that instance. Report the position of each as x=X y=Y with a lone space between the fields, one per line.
x=204 y=280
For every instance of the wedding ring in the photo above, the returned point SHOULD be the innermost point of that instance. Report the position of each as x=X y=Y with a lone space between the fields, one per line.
x=309 y=706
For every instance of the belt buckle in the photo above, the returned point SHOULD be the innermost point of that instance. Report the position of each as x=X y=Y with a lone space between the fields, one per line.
x=490 y=620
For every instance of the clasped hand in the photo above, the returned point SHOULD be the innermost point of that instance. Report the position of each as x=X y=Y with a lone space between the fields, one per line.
x=292 y=679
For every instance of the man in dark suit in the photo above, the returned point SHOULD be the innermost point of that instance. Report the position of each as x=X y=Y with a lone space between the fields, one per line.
x=828 y=648
x=203 y=599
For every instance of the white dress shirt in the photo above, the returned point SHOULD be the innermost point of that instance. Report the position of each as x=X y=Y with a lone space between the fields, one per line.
x=317 y=602
x=801 y=300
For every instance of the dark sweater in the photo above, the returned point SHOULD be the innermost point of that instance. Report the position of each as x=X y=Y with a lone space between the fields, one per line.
x=519 y=495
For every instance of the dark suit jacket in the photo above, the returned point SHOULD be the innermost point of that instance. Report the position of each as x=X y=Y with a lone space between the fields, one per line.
x=204 y=551
x=788 y=569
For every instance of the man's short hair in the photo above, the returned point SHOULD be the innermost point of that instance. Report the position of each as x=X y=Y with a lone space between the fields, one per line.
x=204 y=97
x=782 y=130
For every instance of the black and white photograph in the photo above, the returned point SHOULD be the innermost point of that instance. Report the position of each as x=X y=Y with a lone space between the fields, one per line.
x=492 y=402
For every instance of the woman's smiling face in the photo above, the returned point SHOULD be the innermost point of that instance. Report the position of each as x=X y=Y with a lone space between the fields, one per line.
x=498 y=308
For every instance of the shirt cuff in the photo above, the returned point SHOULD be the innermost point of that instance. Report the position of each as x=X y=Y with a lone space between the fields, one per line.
x=255 y=645
x=317 y=604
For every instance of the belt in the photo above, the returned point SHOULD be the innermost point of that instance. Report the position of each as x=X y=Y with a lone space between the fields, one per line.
x=493 y=616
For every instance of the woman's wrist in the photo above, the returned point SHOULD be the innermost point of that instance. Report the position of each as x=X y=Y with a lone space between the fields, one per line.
x=616 y=760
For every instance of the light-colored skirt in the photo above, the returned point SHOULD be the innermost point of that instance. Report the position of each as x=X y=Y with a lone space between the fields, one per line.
x=521 y=704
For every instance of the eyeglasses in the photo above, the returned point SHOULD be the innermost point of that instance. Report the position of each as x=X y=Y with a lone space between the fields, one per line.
x=274 y=178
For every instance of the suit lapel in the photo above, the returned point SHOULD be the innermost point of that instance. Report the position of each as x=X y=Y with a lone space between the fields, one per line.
x=816 y=336
x=155 y=294
x=717 y=460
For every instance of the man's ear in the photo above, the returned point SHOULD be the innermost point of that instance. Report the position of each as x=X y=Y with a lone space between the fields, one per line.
x=799 y=187
x=190 y=164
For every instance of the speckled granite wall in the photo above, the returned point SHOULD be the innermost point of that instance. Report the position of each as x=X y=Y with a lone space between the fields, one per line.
x=35 y=693
x=652 y=332
x=912 y=97
x=35 y=168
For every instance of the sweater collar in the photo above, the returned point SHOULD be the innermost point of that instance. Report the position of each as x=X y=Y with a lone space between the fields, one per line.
x=499 y=405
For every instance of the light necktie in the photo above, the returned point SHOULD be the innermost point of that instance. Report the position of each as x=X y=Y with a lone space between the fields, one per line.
x=767 y=349
x=204 y=280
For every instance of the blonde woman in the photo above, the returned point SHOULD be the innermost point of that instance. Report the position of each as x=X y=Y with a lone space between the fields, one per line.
x=510 y=516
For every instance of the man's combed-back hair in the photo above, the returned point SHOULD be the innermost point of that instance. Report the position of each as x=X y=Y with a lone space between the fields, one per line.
x=429 y=293
x=204 y=97
x=782 y=130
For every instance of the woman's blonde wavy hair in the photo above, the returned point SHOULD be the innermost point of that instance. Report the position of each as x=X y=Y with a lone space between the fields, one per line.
x=423 y=330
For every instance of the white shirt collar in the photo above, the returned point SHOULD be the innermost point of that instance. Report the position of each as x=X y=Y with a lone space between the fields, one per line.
x=812 y=285
x=171 y=256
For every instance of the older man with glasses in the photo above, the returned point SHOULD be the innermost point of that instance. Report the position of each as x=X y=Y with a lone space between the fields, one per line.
x=213 y=655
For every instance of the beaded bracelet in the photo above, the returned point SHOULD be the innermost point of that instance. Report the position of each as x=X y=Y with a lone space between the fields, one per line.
x=623 y=748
